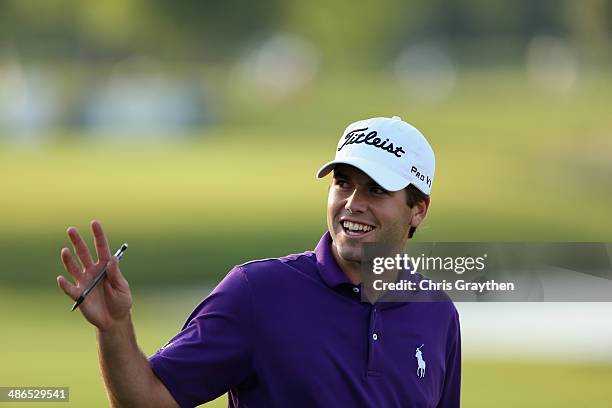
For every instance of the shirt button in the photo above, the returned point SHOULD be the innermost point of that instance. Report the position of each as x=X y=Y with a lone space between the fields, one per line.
x=356 y=289
x=375 y=336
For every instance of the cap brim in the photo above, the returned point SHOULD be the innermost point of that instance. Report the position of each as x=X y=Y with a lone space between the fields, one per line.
x=381 y=175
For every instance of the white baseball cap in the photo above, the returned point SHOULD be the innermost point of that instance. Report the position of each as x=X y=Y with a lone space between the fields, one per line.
x=392 y=152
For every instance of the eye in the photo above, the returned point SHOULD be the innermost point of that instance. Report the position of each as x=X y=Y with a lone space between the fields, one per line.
x=342 y=183
x=378 y=190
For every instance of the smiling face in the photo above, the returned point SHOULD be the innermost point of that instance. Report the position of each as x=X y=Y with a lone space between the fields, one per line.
x=359 y=210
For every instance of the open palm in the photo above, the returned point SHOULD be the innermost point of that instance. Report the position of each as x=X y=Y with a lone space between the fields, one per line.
x=110 y=301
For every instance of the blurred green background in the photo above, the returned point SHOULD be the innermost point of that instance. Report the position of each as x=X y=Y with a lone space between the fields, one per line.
x=193 y=131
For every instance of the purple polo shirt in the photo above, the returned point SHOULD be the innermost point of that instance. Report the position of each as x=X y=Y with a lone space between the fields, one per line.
x=293 y=332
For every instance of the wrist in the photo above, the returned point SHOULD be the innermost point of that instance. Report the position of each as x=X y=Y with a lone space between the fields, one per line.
x=116 y=327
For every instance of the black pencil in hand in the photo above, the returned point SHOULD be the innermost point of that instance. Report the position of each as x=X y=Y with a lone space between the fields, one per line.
x=118 y=254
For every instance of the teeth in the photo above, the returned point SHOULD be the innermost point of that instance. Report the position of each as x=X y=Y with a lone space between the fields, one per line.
x=353 y=226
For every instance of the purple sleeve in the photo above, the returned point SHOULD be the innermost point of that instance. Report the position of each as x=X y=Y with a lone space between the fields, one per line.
x=213 y=351
x=451 y=392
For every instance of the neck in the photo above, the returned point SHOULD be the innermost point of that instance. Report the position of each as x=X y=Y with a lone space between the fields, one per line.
x=351 y=269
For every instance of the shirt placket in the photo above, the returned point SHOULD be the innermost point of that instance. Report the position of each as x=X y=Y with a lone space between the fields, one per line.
x=374 y=365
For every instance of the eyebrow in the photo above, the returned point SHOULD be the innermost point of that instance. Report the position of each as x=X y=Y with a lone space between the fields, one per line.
x=340 y=175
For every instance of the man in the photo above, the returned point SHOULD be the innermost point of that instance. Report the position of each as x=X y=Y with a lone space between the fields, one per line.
x=293 y=331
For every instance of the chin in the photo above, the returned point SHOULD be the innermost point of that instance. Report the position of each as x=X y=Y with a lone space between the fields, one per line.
x=349 y=252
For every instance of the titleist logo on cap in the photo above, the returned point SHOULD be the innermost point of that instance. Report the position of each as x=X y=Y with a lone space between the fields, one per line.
x=359 y=136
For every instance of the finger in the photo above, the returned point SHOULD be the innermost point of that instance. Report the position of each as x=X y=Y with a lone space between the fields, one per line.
x=68 y=288
x=102 y=248
x=70 y=264
x=114 y=275
x=80 y=248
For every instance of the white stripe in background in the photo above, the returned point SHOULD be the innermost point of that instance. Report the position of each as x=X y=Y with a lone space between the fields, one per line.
x=563 y=331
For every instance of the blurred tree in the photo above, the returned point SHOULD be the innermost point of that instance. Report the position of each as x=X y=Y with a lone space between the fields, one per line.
x=520 y=19
x=590 y=23
x=216 y=28
x=358 y=35
x=347 y=33
x=38 y=28
x=187 y=29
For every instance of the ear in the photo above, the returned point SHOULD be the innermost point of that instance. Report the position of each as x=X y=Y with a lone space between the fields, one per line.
x=419 y=211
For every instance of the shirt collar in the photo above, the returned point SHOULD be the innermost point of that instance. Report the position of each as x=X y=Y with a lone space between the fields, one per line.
x=329 y=269
x=333 y=276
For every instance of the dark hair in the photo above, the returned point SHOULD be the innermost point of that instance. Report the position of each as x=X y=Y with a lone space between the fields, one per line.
x=414 y=196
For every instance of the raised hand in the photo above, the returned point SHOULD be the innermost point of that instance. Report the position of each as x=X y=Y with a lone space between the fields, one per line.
x=110 y=301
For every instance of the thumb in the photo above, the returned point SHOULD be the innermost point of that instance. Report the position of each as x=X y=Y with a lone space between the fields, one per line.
x=114 y=275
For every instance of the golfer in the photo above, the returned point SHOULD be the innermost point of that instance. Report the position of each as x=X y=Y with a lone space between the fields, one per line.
x=294 y=331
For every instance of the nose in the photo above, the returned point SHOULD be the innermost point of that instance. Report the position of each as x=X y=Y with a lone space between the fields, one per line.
x=356 y=202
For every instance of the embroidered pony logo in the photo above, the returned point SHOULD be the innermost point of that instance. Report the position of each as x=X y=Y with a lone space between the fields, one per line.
x=421 y=362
